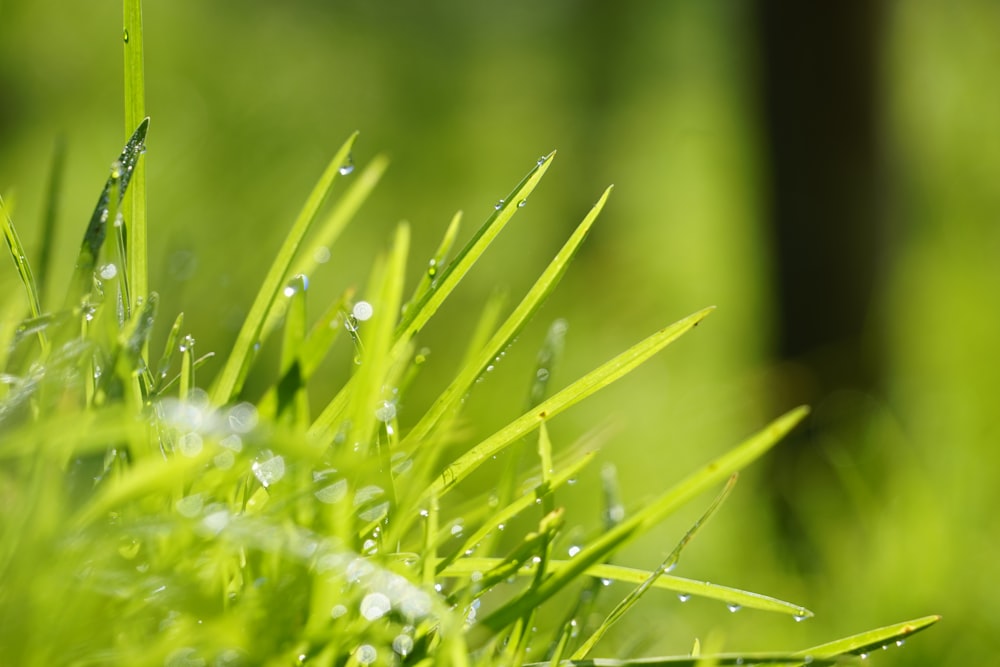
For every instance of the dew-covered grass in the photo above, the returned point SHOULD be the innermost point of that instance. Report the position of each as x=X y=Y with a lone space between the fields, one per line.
x=156 y=515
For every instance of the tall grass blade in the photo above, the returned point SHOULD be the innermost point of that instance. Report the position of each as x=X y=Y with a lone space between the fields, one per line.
x=134 y=202
x=230 y=380
x=21 y=262
x=529 y=305
x=717 y=470
x=666 y=566
x=571 y=395
x=872 y=640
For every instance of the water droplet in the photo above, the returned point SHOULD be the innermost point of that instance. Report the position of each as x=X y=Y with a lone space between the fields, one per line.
x=670 y=567
x=190 y=506
x=501 y=526
x=733 y=607
x=541 y=161
x=521 y=203
x=386 y=412
x=432 y=268
x=605 y=582
x=362 y=311
x=187 y=343
x=863 y=656
x=683 y=597
x=574 y=550
x=108 y=271
x=456 y=529
x=348 y=166
x=269 y=469
x=337 y=611
x=900 y=642
x=375 y=605
x=125 y=35
x=424 y=513
x=321 y=255
x=402 y=645
x=799 y=617
x=191 y=444
x=116 y=173
x=499 y=205
x=366 y=654
x=542 y=374
x=332 y=493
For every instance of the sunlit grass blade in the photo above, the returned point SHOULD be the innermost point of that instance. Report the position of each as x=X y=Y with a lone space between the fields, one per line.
x=587 y=385
x=291 y=389
x=134 y=201
x=23 y=266
x=714 y=472
x=872 y=640
x=369 y=389
x=666 y=566
x=230 y=380
x=419 y=314
x=317 y=250
x=50 y=217
x=167 y=358
x=122 y=171
x=508 y=330
x=436 y=263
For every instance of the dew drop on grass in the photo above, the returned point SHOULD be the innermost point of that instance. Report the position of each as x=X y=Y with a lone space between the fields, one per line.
x=799 y=617
x=900 y=642
x=108 y=271
x=574 y=550
x=499 y=205
x=191 y=444
x=187 y=343
x=456 y=529
x=432 y=268
x=268 y=469
x=605 y=582
x=386 y=412
x=733 y=607
x=402 y=645
x=362 y=311
x=375 y=606
x=683 y=597
x=321 y=255
x=522 y=203
x=337 y=611
x=116 y=173
x=125 y=35
x=348 y=166
x=541 y=161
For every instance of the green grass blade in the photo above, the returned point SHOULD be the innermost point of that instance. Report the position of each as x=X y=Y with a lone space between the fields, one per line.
x=121 y=175
x=571 y=395
x=134 y=202
x=167 y=358
x=666 y=566
x=722 y=659
x=291 y=391
x=51 y=216
x=21 y=262
x=317 y=250
x=418 y=316
x=439 y=260
x=370 y=381
x=714 y=472
x=872 y=640
x=529 y=305
x=230 y=380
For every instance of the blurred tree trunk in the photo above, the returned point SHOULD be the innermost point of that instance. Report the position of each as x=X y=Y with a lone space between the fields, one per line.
x=820 y=66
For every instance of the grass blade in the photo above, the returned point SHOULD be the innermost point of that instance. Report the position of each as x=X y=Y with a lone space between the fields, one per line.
x=470 y=254
x=866 y=642
x=529 y=305
x=230 y=380
x=717 y=470
x=666 y=566
x=571 y=395
x=134 y=202
x=21 y=262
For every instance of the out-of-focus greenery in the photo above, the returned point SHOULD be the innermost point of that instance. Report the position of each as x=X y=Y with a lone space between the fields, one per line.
x=249 y=99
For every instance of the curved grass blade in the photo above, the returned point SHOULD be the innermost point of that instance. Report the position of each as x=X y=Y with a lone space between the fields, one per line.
x=470 y=254
x=872 y=640
x=328 y=231
x=439 y=259
x=230 y=380
x=291 y=390
x=166 y=359
x=726 y=659
x=712 y=473
x=23 y=266
x=529 y=305
x=666 y=566
x=134 y=202
x=121 y=175
x=597 y=379
x=376 y=361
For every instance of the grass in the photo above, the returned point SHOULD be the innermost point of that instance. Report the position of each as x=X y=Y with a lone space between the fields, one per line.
x=151 y=519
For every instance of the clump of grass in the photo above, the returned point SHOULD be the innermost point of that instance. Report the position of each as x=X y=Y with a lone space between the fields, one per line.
x=153 y=520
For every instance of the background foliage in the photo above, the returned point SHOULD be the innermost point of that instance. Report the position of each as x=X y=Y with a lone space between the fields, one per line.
x=249 y=99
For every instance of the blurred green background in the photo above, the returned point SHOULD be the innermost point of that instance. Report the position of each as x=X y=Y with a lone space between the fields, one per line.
x=826 y=177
